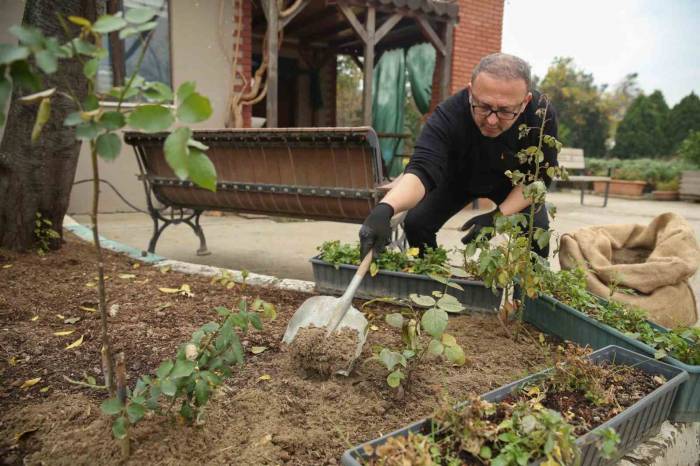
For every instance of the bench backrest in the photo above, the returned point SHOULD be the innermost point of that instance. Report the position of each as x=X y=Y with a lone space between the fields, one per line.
x=571 y=158
x=323 y=173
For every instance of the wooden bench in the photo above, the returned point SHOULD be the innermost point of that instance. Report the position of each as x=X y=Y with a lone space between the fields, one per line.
x=572 y=159
x=316 y=173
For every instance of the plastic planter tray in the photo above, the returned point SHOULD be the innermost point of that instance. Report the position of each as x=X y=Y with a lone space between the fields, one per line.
x=329 y=279
x=633 y=425
x=556 y=318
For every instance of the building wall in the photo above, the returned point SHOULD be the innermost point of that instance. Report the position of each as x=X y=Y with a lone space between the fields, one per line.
x=199 y=44
x=477 y=34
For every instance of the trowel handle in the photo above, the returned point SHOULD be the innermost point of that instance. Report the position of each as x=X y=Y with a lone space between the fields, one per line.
x=359 y=275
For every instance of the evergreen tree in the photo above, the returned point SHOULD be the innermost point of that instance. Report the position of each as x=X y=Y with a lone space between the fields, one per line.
x=579 y=105
x=683 y=118
x=642 y=132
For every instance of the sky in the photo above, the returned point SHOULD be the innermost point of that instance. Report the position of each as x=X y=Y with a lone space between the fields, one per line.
x=658 y=39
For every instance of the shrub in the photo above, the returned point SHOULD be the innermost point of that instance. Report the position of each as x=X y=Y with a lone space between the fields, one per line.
x=689 y=150
x=653 y=171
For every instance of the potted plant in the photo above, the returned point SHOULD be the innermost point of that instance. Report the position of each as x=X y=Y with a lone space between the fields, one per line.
x=566 y=309
x=628 y=180
x=515 y=424
x=399 y=274
x=666 y=190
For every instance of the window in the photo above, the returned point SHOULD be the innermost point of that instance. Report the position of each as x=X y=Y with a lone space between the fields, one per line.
x=123 y=54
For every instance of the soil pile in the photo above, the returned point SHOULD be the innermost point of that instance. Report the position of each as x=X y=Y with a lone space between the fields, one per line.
x=323 y=356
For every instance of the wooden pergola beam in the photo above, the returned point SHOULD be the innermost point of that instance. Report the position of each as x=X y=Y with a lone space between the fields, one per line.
x=354 y=22
x=273 y=27
x=446 y=76
x=428 y=31
x=369 y=66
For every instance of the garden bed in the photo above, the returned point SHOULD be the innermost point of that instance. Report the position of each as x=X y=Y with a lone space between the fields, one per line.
x=556 y=318
x=637 y=411
x=269 y=412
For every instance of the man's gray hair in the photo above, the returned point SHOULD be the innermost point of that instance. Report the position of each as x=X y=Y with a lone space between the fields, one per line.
x=504 y=66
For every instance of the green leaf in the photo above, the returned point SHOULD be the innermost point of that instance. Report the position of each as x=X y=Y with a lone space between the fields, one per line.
x=210 y=327
x=434 y=321
x=108 y=146
x=394 y=379
x=108 y=23
x=5 y=89
x=111 y=406
x=139 y=15
x=450 y=304
x=438 y=278
x=91 y=103
x=46 y=61
x=485 y=452
x=127 y=32
x=435 y=347
x=135 y=412
x=146 y=26
x=28 y=35
x=458 y=272
x=168 y=387
x=151 y=118
x=454 y=285
x=86 y=131
x=269 y=311
x=119 y=428
x=73 y=119
x=201 y=170
x=112 y=120
x=184 y=90
x=395 y=320
x=10 y=53
x=186 y=410
x=176 y=151
x=201 y=392
x=455 y=354
x=422 y=300
x=164 y=369
x=391 y=358
x=90 y=68
x=157 y=91
x=42 y=117
x=183 y=368
x=237 y=349
x=22 y=75
x=194 y=108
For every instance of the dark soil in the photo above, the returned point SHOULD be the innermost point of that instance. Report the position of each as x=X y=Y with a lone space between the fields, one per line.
x=285 y=417
x=323 y=356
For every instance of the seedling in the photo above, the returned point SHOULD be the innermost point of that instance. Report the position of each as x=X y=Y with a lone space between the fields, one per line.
x=44 y=233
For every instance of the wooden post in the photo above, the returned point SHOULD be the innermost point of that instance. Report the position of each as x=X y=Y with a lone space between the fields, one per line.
x=272 y=54
x=368 y=67
x=446 y=78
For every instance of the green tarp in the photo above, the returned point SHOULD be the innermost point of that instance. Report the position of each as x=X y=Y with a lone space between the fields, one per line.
x=389 y=96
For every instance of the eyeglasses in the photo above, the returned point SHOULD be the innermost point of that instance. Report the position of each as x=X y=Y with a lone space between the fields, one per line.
x=485 y=111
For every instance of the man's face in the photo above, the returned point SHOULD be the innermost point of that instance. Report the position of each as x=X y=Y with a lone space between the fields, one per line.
x=496 y=103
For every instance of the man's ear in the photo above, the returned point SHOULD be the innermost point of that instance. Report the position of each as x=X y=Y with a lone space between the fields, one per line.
x=528 y=98
x=469 y=87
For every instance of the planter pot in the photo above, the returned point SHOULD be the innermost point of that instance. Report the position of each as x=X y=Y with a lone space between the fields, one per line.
x=633 y=425
x=334 y=280
x=665 y=195
x=690 y=185
x=556 y=318
x=621 y=187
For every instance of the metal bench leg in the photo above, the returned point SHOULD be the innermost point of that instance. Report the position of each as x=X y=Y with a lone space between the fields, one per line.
x=607 y=189
x=156 y=233
x=202 y=251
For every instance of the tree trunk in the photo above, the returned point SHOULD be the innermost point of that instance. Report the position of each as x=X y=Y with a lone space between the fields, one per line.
x=37 y=177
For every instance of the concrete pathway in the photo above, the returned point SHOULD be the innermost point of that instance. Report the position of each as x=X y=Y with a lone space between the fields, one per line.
x=282 y=247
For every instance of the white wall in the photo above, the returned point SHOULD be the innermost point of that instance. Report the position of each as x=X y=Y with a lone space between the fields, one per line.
x=196 y=56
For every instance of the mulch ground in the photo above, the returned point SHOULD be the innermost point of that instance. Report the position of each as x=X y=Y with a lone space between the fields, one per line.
x=286 y=418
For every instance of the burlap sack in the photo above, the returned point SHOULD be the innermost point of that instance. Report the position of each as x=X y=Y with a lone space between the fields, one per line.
x=655 y=260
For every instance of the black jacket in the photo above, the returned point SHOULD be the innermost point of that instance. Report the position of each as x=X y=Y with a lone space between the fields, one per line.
x=451 y=149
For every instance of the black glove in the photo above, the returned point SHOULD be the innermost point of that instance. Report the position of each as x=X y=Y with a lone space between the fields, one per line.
x=475 y=224
x=376 y=231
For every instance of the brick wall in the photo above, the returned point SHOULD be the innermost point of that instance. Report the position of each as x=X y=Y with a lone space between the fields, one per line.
x=478 y=33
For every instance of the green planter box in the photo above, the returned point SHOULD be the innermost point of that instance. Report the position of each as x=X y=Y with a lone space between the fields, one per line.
x=334 y=280
x=635 y=424
x=556 y=318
